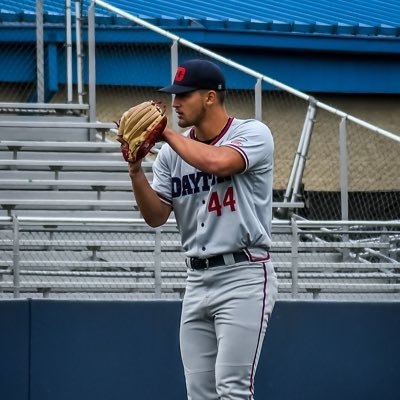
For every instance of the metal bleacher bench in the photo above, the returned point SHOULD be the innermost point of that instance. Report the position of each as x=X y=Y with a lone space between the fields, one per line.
x=64 y=183
x=11 y=202
x=93 y=286
x=18 y=145
x=58 y=166
x=17 y=203
x=168 y=268
x=35 y=204
x=61 y=174
x=58 y=124
x=70 y=164
x=138 y=245
x=54 y=124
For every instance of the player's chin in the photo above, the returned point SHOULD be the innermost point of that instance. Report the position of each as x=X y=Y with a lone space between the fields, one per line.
x=183 y=123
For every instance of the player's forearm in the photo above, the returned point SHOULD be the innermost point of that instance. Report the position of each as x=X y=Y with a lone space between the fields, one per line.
x=199 y=155
x=153 y=210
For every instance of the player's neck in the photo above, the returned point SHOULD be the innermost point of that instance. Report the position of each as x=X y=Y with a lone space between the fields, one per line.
x=211 y=127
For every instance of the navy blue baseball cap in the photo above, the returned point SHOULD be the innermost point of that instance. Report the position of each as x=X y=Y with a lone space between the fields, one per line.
x=194 y=75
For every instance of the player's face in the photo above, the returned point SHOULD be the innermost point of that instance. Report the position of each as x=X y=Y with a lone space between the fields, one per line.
x=190 y=108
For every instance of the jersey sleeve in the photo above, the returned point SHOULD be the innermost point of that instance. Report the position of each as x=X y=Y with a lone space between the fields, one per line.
x=162 y=176
x=254 y=141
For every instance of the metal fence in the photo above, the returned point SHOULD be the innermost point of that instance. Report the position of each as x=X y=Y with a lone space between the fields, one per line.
x=323 y=155
x=124 y=258
x=343 y=243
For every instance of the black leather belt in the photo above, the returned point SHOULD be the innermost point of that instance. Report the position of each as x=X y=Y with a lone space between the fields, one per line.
x=205 y=263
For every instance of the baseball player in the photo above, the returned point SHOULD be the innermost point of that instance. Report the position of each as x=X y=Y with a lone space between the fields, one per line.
x=217 y=179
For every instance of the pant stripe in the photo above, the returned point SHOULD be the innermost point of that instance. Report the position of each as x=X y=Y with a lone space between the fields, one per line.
x=259 y=333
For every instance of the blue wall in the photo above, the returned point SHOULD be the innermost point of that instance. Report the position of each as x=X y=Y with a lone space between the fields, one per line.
x=330 y=64
x=129 y=350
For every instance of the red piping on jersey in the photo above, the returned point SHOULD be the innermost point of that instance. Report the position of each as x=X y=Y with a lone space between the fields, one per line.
x=164 y=199
x=243 y=154
x=259 y=333
x=215 y=140
x=255 y=259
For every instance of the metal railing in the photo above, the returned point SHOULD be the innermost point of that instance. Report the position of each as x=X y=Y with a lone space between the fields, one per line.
x=259 y=77
x=293 y=189
x=97 y=256
x=345 y=123
x=312 y=258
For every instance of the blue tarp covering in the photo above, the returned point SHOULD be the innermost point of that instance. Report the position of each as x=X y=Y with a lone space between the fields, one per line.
x=337 y=46
x=330 y=17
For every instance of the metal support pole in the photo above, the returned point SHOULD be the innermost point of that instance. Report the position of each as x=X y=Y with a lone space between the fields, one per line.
x=344 y=183
x=307 y=129
x=384 y=238
x=79 y=57
x=300 y=151
x=296 y=174
x=174 y=66
x=92 y=67
x=289 y=187
x=68 y=34
x=16 y=257
x=157 y=263
x=344 y=180
x=295 y=259
x=258 y=99
x=39 y=52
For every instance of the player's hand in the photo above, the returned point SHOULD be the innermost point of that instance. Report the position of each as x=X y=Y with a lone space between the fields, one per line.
x=167 y=133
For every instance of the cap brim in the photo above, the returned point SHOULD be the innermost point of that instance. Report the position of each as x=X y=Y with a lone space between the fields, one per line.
x=177 y=89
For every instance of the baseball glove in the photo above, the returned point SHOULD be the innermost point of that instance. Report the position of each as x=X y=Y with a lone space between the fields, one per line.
x=139 y=129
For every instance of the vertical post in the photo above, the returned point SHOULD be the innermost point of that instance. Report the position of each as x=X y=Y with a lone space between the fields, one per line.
x=157 y=263
x=39 y=52
x=295 y=259
x=344 y=180
x=68 y=35
x=344 y=183
x=258 y=99
x=307 y=129
x=92 y=64
x=16 y=257
x=174 y=66
x=79 y=50
x=385 y=238
x=289 y=187
x=301 y=152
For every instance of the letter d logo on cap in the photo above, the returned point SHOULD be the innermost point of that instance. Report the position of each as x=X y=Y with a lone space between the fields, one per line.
x=180 y=74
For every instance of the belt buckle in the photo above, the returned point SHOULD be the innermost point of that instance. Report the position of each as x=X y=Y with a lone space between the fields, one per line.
x=197 y=263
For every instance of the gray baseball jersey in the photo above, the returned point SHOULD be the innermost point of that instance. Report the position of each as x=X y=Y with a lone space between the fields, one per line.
x=222 y=215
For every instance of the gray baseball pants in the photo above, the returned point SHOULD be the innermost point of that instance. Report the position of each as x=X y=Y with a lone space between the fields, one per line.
x=224 y=318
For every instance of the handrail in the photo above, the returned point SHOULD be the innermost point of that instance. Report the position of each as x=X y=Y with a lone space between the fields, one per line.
x=244 y=69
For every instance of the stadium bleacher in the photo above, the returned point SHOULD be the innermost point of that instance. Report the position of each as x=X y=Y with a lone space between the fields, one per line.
x=83 y=179
x=60 y=174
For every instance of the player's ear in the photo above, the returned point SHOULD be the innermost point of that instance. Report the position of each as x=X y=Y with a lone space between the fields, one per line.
x=211 y=97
